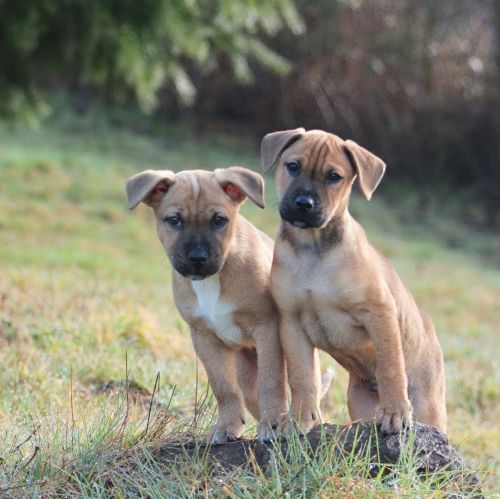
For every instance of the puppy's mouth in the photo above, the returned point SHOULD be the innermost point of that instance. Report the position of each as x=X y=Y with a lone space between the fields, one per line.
x=197 y=277
x=300 y=224
x=196 y=273
x=313 y=219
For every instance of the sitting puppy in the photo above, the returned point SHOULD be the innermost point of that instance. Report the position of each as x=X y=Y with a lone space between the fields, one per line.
x=337 y=293
x=221 y=267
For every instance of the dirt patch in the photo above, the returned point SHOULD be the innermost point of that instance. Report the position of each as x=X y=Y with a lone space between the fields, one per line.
x=430 y=449
x=136 y=393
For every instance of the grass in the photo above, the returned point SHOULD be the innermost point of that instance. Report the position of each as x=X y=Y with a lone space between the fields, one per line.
x=86 y=309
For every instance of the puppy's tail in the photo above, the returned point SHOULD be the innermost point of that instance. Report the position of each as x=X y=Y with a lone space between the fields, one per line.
x=326 y=380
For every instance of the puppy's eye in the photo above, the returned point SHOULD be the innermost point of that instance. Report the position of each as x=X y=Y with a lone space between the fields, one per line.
x=293 y=168
x=332 y=177
x=174 y=221
x=219 y=221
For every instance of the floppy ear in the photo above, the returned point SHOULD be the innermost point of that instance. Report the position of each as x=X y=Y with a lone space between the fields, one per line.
x=239 y=183
x=148 y=187
x=370 y=168
x=273 y=144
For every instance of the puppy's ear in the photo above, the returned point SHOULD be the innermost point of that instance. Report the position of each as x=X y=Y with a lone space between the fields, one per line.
x=239 y=183
x=148 y=187
x=369 y=168
x=273 y=144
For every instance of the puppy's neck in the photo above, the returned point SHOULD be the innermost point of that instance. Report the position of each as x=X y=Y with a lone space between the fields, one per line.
x=319 y=240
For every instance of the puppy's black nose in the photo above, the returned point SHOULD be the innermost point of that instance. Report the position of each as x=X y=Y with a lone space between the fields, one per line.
x=198 y=256
x=304 y=202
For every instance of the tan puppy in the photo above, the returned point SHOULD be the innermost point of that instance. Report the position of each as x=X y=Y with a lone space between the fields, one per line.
x=337 y=293
x=221 y=269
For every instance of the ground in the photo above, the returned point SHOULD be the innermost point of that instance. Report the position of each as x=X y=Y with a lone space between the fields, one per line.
x=86 y=308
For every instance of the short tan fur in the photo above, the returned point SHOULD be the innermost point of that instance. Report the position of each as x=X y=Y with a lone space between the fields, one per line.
x=221 y=284
x=337 y=293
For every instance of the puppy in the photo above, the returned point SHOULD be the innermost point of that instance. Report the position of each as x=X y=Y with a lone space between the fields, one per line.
x=335 y=291
x=221 y=270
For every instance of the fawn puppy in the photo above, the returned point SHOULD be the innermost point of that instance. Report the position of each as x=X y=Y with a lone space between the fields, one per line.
x=337 y=293
x=221 y=283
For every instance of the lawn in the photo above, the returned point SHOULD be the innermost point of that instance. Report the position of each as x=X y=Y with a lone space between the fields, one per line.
x=86 y=308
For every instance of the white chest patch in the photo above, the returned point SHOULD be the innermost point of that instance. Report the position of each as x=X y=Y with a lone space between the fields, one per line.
x=216 y=312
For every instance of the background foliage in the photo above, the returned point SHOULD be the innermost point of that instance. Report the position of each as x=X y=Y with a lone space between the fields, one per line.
x=124 y=45
x=416 y=81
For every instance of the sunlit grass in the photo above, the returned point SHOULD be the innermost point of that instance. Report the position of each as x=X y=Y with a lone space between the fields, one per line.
x=84 y=284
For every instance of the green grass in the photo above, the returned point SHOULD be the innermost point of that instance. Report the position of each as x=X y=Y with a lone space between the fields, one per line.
x=85 y=292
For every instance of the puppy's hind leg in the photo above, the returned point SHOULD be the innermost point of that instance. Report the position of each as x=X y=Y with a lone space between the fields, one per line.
x=246 y=367
x=362 y=399
x=429 y=406
x=428 y=396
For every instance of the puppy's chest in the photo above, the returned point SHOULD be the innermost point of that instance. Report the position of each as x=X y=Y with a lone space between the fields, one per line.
x=308 y=283
x=318 y=301
x=331 y=328
x=216 y=312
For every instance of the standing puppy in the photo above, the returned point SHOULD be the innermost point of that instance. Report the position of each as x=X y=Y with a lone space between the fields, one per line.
x=221 y=269
x=337 y=293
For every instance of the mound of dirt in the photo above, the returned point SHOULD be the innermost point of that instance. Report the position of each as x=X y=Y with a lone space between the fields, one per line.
x=430 y=450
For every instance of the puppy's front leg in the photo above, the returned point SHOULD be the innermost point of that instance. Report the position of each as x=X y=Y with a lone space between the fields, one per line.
x=271 y=383
x=382 y=325
x=304 y=374
x=220 y=363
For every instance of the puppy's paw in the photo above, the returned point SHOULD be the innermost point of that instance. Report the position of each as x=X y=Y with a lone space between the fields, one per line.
x=271 y=427
x=267 y=432
x=308 y=420
x=302 y=425
x=286 y=425
x=221 y=434
x=392 y=418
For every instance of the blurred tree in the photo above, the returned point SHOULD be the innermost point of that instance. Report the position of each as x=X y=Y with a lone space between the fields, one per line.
x=414 y=81
x=123 y=45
